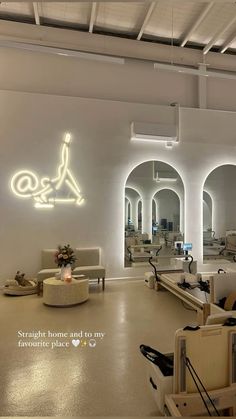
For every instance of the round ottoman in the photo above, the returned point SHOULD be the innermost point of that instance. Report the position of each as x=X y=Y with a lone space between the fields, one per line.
x=62 y=294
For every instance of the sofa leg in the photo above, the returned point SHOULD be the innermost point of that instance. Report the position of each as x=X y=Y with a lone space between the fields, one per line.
x=103 y=284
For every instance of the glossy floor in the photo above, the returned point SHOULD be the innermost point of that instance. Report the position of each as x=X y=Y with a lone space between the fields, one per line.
x=103 y=380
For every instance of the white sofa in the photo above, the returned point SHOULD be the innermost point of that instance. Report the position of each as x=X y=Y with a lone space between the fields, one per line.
x=88 y=262
x=48 y=265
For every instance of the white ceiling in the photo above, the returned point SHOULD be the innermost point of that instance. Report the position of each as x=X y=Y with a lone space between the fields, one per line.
x=164 y=21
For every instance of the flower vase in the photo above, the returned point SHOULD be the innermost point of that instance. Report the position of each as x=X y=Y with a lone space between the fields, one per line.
x=66 y=273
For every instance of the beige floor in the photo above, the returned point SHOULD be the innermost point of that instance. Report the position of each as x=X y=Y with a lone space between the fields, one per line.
x=108 y=380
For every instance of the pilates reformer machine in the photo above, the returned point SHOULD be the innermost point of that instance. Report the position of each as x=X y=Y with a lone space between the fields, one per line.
x=230 y=244
x=139 y=250
x=199 y=377
x=222 y=247
x=190 y=289
x=177 y=278
x=201 y=292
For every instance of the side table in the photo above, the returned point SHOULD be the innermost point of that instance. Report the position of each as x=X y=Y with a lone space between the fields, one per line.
x=59 y=293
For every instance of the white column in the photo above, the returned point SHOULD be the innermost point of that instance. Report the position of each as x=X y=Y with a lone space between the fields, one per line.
x=147 y=216
x=181 y=213
x=126 y=211
x=134 y=212
x=157 y=210
x=193 y=232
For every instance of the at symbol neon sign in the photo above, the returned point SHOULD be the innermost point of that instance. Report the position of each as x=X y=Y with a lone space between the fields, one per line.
x=46 y=193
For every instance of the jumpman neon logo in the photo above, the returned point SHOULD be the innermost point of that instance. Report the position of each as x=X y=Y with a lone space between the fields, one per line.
x=46 y=193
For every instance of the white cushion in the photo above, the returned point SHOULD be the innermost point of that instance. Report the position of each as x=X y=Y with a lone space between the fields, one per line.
x=92 y=272
x=47 y=273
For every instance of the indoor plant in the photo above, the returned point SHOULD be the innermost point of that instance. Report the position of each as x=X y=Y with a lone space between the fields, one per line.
x=64 y=258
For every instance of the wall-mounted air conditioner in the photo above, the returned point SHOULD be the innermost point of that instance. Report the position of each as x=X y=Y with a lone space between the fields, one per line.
x=145 y=131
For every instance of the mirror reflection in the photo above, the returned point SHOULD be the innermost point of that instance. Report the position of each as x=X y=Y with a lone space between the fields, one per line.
x=154 y=212
x=133 y=210
x=219 y=216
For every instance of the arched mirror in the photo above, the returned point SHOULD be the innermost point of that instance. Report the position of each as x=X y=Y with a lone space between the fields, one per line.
x=156 y=195
x=219 y=215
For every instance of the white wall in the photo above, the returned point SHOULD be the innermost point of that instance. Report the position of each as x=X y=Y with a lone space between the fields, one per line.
x=102 y=156
x=221 y=94
x=43 y=96
x=134 y=81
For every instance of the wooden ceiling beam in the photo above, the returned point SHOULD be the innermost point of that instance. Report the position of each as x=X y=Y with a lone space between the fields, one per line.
x=36 y=13
x=206 y=10
x=93 y=16
x=146 y=19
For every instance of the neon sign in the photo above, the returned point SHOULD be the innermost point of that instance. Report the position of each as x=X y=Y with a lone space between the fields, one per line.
x=46 y=193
